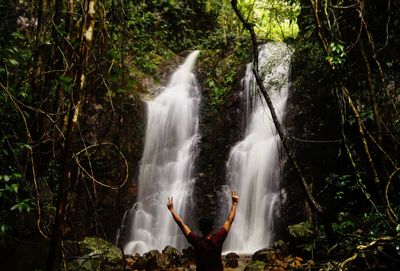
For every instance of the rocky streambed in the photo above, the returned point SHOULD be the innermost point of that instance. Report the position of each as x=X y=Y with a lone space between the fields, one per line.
x=93 y=253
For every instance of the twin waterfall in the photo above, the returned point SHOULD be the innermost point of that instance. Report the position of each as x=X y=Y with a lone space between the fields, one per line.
x=253 y=168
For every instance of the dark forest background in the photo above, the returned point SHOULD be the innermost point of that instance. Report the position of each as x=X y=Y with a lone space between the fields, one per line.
x=73 y=75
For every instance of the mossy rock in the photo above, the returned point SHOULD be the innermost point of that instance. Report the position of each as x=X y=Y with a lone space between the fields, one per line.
x=264 y=255
x=96 y=254
x=255 y=266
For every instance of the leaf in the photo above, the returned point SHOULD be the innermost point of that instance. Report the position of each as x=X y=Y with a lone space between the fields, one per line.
x=17 y=175
x=14 y=187
x=29 y=147
x=4 y=228
x=17 y=35
x=398 y=228
x=22 y=205
x=120 y=91
x=13 y=62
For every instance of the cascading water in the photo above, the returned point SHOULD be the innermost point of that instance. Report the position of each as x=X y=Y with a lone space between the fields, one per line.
x=167 y=162
x=253 y=165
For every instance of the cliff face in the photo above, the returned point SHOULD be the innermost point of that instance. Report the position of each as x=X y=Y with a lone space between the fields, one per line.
x=220 y=125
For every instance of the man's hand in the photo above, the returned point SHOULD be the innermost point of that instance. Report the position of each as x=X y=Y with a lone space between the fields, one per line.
x=170 y=203
x=235 y=198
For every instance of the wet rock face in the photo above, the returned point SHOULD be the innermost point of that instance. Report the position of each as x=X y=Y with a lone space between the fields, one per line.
x=221 y=127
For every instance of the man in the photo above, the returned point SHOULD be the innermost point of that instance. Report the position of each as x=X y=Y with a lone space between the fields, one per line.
x=207 y=248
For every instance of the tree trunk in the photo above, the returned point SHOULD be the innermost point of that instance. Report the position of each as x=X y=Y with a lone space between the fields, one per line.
x=70 y=136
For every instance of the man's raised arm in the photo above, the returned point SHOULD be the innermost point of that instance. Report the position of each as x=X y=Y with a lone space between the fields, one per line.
x=185 y=229
x=228 y=223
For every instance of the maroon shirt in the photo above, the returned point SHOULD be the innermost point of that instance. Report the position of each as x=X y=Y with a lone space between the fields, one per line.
x=208 y=251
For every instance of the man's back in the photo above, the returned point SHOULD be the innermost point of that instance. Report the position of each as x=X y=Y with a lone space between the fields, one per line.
x=208 y=248
x=208 y=251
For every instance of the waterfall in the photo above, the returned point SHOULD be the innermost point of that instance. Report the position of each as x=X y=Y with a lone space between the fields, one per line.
x=253 y=167
x=167 y=163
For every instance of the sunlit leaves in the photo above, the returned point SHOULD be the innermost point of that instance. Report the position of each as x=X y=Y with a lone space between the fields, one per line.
x=274 y=19
x=336 y=54
x=23 y=206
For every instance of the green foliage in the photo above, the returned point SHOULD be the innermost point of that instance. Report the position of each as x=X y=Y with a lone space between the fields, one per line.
x=67 y=83
x=344 y=184
x=217 y=93
x=12 y=199
x=365 y=116
x=345 y=224
x=273 y=19
x=336 y=54
x=301 y=230
x=221 y=77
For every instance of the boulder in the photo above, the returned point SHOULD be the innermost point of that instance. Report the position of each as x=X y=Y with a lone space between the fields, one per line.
x=231 y=260
x=232 y=255
x=139 y=264
x=155 y=260
x=173 y=255
x=93 y=253
x=265 y=255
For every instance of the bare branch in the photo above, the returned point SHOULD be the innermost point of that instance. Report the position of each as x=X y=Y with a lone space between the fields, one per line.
x=310 y=198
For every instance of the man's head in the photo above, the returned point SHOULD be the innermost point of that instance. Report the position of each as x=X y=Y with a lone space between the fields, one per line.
x=206 y=225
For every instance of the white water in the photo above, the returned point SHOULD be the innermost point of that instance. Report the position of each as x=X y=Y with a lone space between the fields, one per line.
x=167 y=162
x=253 y=166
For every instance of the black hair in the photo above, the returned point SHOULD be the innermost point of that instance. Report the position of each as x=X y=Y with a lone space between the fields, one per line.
x=206 y=225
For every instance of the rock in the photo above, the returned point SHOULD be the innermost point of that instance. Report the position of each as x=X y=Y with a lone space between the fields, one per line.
x=232 y=260
x=255 y=266
x=232 y=255
x=93 y=253
x=232 y=263
x=129 y=261
x=265 y=255
x=169 y=259
x=173 y=255
x=139 y=264
x=155 y=260
x=188 y=257
x=281 y=248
